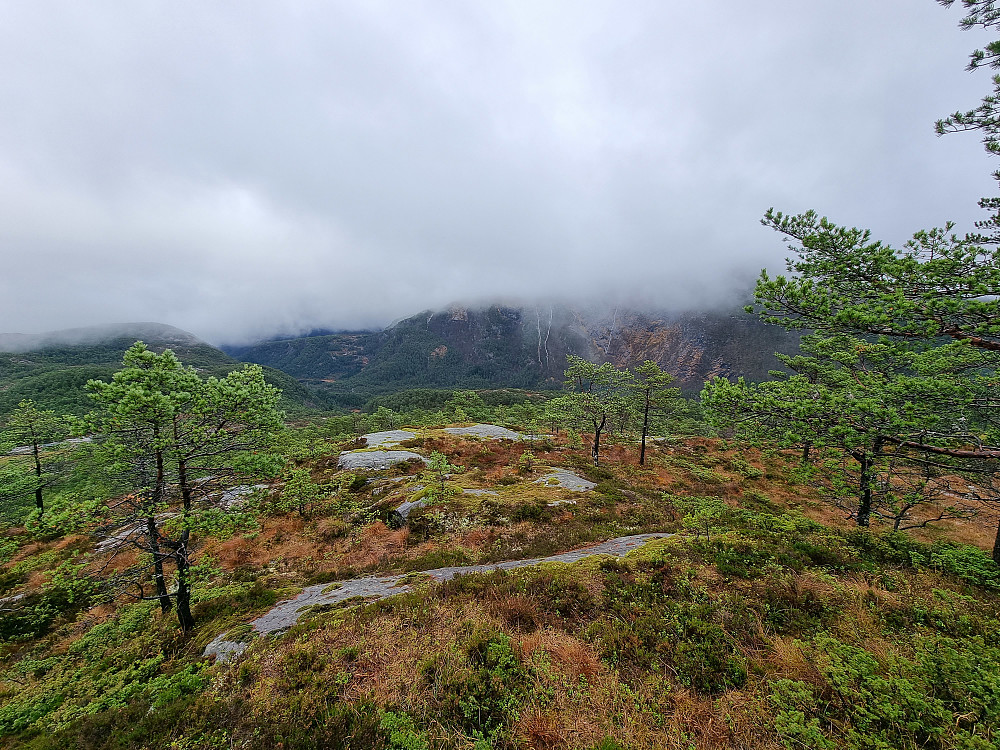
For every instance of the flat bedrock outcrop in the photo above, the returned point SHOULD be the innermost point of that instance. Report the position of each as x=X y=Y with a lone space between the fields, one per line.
x=285 y=614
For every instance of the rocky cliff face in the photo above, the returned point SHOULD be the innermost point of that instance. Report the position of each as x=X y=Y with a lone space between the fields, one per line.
x=526 y=347
x=694 y=347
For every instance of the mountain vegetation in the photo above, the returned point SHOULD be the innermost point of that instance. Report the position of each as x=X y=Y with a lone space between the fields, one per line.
x=800 y=562
x=901 y=373
x=521 y=347
x=759 y=618
x=52 y=369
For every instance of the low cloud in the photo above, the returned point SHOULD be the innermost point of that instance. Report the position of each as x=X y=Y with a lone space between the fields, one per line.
x=244 y=170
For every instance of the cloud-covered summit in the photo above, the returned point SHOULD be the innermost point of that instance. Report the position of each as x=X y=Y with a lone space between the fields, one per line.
x=246 y=169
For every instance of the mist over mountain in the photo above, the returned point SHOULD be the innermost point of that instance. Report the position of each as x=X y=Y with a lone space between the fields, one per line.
x=53 y=368
x=504 y=345
x=159 y=333
x=250 y=171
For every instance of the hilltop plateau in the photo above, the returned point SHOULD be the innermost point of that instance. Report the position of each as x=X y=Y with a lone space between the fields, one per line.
x=755 y=617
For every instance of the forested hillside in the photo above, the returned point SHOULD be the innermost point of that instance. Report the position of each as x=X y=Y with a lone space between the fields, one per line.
x=522 y=347
x=52 y=369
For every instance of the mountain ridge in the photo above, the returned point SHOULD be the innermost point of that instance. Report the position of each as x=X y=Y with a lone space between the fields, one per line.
x=159 y=332
x=53 y=368
x=524 y=347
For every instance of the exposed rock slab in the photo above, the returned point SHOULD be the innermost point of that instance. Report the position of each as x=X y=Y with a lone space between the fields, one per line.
x=234 y=497
x=287 y=613
x=388 y=438
x=405 y=508
x=486 y=431
x=24 y=450
x=375 y=460
x=567 y=480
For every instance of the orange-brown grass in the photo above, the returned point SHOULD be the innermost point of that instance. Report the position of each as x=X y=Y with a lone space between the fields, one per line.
x=75 y=542
x=478 y=538
x=787 y=660
x=574 y=657
x=978 y=531
x=288 y=541
x=238 y=552
x=488 y=455
x=391 y=657
x=30 y=550
x=539 y=729
x=280 y=539
x=126 y=558
x=37 y=578
x=379 y=542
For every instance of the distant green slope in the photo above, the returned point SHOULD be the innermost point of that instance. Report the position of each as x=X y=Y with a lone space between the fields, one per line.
x=328 y=357
x=54 y=376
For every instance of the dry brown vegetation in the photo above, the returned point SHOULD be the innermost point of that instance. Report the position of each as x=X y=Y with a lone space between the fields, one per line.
x=679 y=647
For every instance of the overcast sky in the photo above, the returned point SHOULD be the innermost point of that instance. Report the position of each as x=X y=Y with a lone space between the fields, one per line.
x=241 y=168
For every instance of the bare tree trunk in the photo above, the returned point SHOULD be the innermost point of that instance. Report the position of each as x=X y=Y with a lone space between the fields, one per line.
x=645 y=431
x=597 y=440
x=39 y=502
x=153 y=534
x=805 y=451
x=996 y=546
x=865 y=500
x=181 y=559
x=865 y=492
x=184 y=617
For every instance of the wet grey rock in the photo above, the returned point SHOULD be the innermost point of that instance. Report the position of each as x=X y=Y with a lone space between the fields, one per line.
x=375 y=460
x=567 y=480
x=288 y=612
x=23 y=450
x=486 y=431
x=235 y=496
x=479 y=492
x=224 y=650
x=127 y=534
x=404 y=509
x=387 y=438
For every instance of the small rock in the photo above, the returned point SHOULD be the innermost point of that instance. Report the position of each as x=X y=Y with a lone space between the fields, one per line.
x=567 y=480
x=486 y=431
x=387 y=438
x=375 y=460
x=404 y=509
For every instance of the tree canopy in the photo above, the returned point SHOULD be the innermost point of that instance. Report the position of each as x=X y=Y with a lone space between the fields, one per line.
x=903 y=363
x=180 y=440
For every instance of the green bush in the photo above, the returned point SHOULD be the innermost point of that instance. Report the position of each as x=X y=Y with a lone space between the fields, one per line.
x=947 y=697
x=970 y=564
x=69 y=590
x=482 y=694
x=706 y=658
x=654 y=620
x=531 y=511
x=744 y=469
